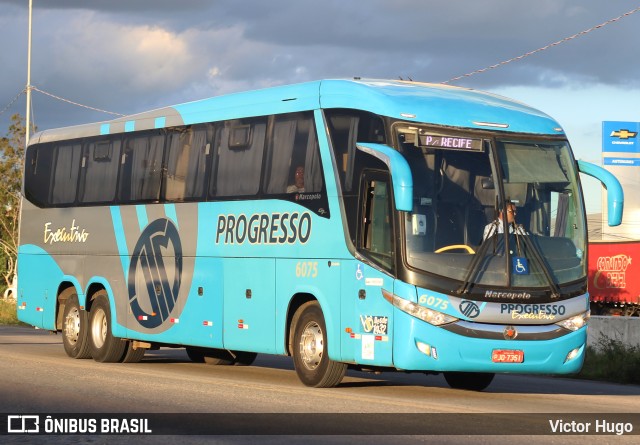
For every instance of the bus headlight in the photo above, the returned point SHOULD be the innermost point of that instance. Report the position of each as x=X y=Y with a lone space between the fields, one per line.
x=415 y=310
x=573 y=354
x=575 y=323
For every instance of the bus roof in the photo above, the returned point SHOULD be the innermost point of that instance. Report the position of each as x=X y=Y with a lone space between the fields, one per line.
x=412 y=101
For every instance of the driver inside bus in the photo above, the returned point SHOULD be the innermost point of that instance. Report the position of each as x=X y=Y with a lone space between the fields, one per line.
x=298 y=185
x=496 y=226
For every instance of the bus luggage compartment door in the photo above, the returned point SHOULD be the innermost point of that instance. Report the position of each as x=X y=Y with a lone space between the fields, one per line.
x=249 y=304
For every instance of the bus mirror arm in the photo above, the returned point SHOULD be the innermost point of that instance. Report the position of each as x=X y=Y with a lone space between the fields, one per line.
x=615 y=195
x=398 y=168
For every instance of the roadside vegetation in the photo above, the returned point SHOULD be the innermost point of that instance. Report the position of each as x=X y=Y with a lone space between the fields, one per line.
x=11 y=159
x=611 y=360
x=8 y=312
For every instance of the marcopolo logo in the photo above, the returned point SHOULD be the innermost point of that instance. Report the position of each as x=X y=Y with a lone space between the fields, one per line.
x=469 y=309
x=154 y=285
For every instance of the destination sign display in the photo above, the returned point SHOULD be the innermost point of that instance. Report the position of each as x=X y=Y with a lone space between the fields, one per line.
x=451 y=142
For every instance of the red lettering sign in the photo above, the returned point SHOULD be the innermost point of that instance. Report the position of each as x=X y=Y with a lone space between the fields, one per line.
x=613 y=275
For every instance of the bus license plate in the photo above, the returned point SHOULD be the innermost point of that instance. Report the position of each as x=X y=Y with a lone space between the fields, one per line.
x=507 y=356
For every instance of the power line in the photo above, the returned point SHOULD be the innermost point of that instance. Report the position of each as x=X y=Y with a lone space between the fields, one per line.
x=74 y=103
x=530 y=53
x=57 y=98
x=12 y=101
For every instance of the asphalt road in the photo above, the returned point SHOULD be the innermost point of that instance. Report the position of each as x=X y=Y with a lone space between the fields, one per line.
x=37 y=377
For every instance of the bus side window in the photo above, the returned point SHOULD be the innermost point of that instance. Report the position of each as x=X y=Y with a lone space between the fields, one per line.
x=65 y=177
x=294 y=151
x=187 y=163
x=99 y=176
x=239 y=162
x=38 y=171
x=346 y=128
x=281 y=151
x=141 y=168
x=312 y=166
x=376 y=222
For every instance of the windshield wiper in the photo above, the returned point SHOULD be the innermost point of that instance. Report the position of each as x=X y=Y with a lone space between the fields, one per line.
x=539 y=260
x=474 y=267
x=498 y=241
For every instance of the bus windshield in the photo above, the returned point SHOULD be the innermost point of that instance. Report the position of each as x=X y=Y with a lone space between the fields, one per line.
x=491 y=212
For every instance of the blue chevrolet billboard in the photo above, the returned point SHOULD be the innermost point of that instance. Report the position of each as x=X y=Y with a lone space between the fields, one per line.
x=620 y=146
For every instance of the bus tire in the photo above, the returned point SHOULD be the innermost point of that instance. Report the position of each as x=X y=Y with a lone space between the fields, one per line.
x=243 y=358
x=75 y=327
x=471 y=381
x=217 y=357
x=133 y=355
x=105 y=347
x=195 y=354
x=310 y=349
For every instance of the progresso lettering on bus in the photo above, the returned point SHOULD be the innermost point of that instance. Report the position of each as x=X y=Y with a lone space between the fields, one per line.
x=535 y=309
x=264 y=228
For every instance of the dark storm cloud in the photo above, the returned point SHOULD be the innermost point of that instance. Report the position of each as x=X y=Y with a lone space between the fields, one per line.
x=437 y=40
x=126 y=56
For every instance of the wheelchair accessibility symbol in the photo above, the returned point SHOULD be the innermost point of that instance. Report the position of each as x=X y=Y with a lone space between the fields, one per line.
x=520 y=265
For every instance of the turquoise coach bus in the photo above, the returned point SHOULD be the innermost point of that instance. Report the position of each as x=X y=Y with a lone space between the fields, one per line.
x=341 y=222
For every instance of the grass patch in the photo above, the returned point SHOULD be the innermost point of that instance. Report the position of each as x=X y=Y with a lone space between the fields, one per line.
x=612 y=361
x=8 y=312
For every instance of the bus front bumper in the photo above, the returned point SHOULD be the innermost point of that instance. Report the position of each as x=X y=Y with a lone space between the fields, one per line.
x=419 y=346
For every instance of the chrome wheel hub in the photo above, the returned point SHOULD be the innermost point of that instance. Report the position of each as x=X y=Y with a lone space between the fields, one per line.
x=99 y=328
x=72 y=325
x=311 y=345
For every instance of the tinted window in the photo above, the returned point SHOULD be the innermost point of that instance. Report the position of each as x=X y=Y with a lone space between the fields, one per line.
x=294 y=165
x=65 y=178
x=99 y=176
x=141 y=169
x=347 y=127
x=182 y=163
x=38 y=164
x=377 y=221
x=240 y=151
x=187 y=161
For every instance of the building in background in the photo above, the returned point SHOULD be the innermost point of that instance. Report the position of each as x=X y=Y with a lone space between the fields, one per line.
x=621 y=156
x=614 y=252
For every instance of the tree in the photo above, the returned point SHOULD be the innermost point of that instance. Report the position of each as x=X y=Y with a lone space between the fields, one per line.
x=11 y=162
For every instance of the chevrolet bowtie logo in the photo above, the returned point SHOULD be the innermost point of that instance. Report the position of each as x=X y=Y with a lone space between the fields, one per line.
x=624 y=134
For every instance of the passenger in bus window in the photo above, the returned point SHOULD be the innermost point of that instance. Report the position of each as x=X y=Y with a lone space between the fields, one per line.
x=298 y=185
x=496 y=225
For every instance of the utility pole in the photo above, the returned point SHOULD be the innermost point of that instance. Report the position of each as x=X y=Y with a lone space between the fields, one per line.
x=28 y=121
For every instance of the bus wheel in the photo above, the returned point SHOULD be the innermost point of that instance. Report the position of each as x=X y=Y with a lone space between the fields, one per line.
x=133 y=355
x=219 y=357
x=195 y=354
x=243 y=358
x=104 y=346
x=75 y=327
x=310 y=352
x=472 y=381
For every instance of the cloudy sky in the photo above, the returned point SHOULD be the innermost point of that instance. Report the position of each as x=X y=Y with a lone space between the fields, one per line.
x=127 y=56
